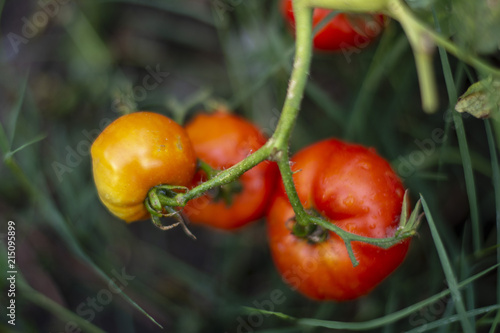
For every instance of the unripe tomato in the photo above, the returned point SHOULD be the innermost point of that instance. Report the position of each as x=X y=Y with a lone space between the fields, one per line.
x=136 y=152
x=354 y=188
x=342 y=32
x=221 y=140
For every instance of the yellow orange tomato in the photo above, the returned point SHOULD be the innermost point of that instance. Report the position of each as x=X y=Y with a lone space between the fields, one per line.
x=136 y=152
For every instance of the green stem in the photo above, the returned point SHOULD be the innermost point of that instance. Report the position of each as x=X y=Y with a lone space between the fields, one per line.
x=422 y=38
x=296 y=87
x=277 y=146
x=401 y=12
x=298 y=78
x=301 y=215
x=359 y=6
x=226 y=176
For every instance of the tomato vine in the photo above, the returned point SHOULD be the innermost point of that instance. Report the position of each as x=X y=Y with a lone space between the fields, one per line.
x=423 y=40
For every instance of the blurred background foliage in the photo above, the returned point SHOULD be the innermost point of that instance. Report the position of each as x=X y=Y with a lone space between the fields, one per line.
x=68 y=67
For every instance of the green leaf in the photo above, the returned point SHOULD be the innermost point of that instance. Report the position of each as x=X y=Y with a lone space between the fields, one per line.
x=482 y=99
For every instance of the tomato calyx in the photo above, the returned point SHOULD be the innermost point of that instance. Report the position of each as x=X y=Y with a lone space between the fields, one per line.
x=408 y=225
x=224 y=192
x=161 y=202
x=311 y=232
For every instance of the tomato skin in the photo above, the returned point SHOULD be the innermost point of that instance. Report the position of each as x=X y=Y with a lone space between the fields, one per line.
x=221 y=140
x=136 y=152
x=339 y=33
x=356 y=188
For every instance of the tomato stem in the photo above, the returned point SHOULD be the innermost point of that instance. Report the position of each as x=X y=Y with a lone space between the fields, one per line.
x=226 y=176
x=359 y=6
x=423 y=40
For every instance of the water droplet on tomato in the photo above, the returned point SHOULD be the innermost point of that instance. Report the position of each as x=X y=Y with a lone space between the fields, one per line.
x=365 y=165
x=348 y=201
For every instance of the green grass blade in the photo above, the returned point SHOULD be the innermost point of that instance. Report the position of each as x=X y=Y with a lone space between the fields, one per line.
x=60 y=225
x=496 y=186
x=43 y=301
x=448 y=271
x=388 y=319
x=324 y=21
x=27 y=144
x=16 y=110
x=469 y=180
x=451 y=319
x=464 y=149
x=4 y=141
x=48 y=304
x=276 y=314
x=496 y=323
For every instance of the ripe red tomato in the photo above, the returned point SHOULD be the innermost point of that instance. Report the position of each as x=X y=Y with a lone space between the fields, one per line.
x=136 y=152
x=357 y=190
x=222 y=140
x=342 y=32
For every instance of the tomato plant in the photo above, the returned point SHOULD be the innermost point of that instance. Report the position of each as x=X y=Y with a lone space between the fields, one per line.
x=221 y=140
x=136 y=152
x=354 y=188
x=343 y=31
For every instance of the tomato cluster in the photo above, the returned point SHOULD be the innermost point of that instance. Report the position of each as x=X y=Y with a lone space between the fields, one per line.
x=144 y=149
x=342 y=32
x=348 y=185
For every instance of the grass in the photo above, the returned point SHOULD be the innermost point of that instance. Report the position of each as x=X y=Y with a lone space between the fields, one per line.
x=91 y=60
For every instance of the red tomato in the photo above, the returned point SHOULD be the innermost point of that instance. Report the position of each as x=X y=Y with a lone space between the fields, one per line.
x=354 y=188
x=343 y=31
x=222 y=140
